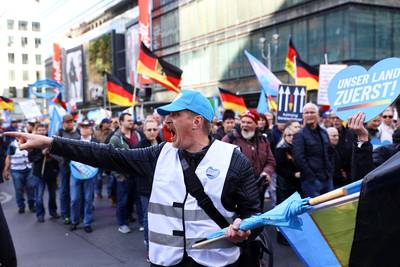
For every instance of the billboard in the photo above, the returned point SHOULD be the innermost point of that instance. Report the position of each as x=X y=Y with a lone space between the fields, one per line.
x=99 y=61
x=74 y=74
x=132 y=46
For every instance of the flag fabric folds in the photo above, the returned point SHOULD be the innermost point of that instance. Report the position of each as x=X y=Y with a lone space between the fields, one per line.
x=58 y=100
x=377 y=229
x=159 y=70
x=290 y=59
x=232 y=101
x=327 y=232
x=269 y=82
x=262 y=106
x=6 y=103
x=118 y=92
x=307 y=75
x=272 y=105
x=56 y=114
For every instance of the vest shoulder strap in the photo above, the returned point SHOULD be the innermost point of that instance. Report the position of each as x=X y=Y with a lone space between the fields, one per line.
x=196 y=189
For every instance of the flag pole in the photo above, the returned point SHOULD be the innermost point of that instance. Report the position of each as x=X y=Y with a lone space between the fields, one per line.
x=134 y=103
x=105 y=91
x=295 y=69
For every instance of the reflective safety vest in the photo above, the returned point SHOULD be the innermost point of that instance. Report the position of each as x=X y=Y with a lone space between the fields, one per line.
x=176 y=221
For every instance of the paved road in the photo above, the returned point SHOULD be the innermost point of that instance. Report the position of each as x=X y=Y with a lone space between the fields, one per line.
x=51 y=244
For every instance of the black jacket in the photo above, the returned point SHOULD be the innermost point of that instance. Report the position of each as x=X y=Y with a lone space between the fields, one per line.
x=7 y=251
x=143 y=184
x=239 y=195
x=365 y=159
x=345 y=148
x=311 y=153
x=287 y=183
x=36 y=157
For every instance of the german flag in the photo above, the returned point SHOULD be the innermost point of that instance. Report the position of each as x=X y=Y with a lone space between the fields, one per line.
x=58 y=100
x=272 y=106
x=232 y=101
x=159 y=70
x=307 y=75
x=6 y=103
x=290 y=64
x=118 y=92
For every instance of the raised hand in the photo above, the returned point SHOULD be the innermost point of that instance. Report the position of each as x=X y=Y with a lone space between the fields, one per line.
x=29 y=141
x=356 y=123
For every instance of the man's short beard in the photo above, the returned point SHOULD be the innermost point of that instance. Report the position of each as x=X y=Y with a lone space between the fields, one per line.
x=247 y=134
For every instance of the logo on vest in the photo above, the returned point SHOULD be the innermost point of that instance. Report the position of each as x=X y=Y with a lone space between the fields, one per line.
x=212 y=173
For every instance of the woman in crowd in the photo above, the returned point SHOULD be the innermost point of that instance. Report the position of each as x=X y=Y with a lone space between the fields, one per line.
x=288 y=179
x=264 y=127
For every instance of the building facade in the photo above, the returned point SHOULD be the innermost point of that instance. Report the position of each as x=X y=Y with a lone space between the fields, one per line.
x=21 y=61
x=206 y=38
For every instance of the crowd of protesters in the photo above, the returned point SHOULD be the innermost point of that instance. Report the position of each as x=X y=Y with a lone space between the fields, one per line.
x=310 y=158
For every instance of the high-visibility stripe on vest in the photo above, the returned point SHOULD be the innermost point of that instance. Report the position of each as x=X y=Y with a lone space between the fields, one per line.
x=176 y=221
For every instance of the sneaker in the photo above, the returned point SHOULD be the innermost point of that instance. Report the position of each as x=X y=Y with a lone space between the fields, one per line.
x=124 y=229
x=21 y=210
x=55 y=215
x=40 y=219
x=141 y=229
x=73 y=227
x=88 y=229
x=32 y=208
x=67 y=221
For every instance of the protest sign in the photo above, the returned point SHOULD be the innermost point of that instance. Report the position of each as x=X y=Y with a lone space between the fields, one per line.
x=30 y=109
x=291 y=99
x=326 y=73
x=354 y=89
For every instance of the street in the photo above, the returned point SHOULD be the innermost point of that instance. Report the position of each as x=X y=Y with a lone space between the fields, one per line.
x=51 y=244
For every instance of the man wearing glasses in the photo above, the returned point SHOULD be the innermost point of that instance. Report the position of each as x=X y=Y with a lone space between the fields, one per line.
x=310 y=152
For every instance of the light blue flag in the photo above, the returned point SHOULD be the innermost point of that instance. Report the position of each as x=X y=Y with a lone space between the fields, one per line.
x=269 y=82
x=216 y=107
x=55 y=120
x=262 y=106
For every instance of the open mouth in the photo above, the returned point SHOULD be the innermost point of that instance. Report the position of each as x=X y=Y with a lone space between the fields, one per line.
x=173 y=132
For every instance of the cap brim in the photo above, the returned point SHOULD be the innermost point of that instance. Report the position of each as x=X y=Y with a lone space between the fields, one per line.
x=167 y=109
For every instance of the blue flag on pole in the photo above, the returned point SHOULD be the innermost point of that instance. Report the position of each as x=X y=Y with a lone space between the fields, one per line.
x=269 y=82
x=55 y=119
x=262 y=106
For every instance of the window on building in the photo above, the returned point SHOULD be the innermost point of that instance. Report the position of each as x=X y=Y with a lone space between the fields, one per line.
x=24 y=41
x=38 y=59
x=12 y=91
x=22 y=25
x=36 y=26
x=38 y=75
x=11 y=75
x=25 y=59
x=25 y=75
x=10 y=41
x=25 y=92
x=10 y=24
x=38 y=42
x=11 y=58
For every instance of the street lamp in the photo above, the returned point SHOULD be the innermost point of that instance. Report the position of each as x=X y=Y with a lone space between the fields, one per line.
x=274 y=41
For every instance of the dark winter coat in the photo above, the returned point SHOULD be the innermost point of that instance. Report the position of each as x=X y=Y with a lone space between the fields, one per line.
x=311 y=153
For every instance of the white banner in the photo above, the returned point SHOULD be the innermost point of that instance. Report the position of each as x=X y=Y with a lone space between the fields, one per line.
x=30 y=109
x=326 y=73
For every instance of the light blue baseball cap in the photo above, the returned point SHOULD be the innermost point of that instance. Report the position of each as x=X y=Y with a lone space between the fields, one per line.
x=190 y=100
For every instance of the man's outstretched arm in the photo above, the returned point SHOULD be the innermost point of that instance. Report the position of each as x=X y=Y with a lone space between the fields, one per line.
x=135 y=161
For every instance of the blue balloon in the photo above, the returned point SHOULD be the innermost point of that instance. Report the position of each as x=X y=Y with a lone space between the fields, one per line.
x=355 y=89
x=46 y=84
